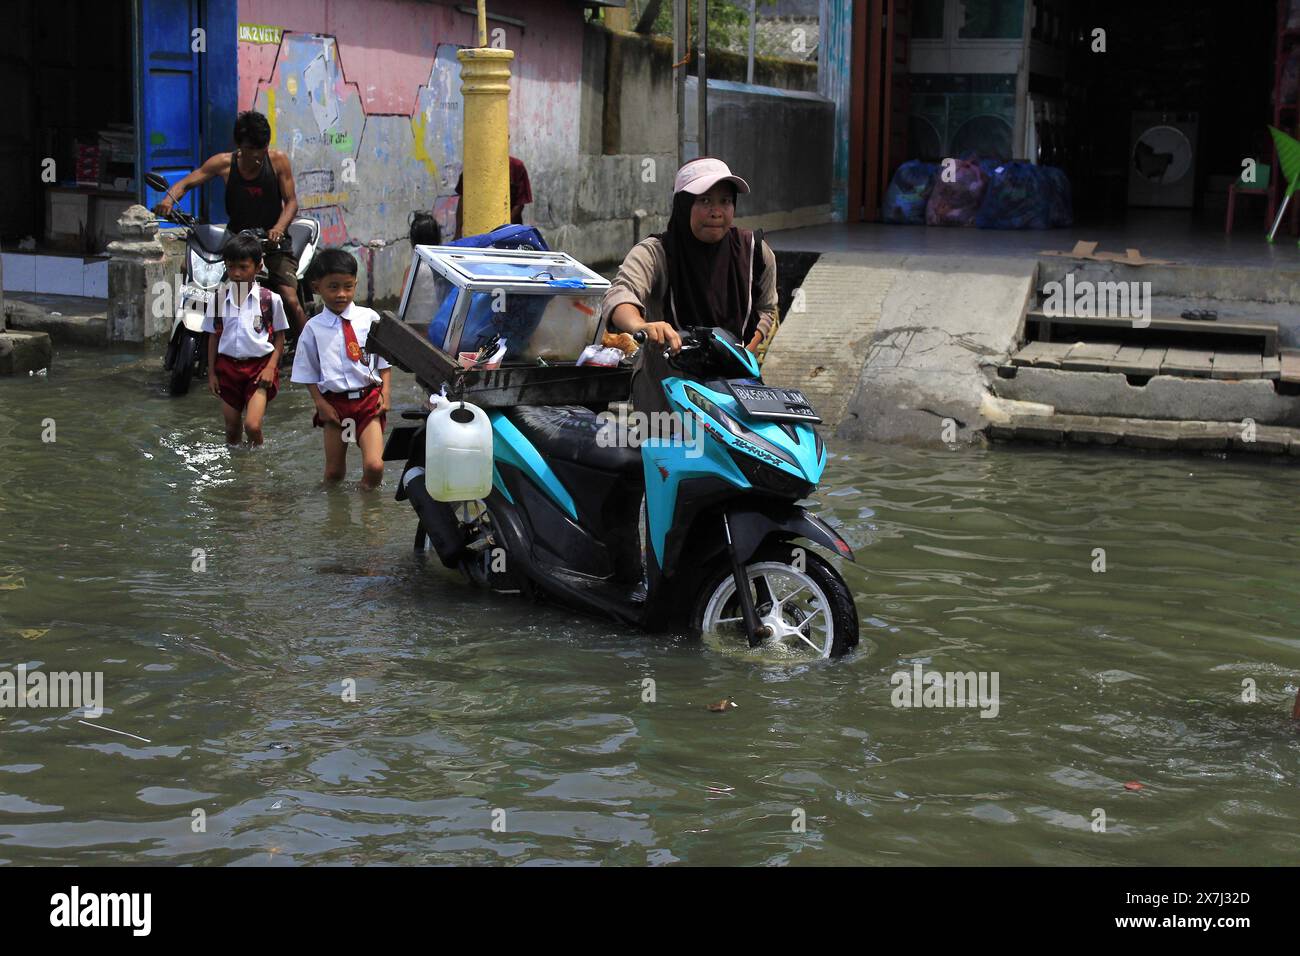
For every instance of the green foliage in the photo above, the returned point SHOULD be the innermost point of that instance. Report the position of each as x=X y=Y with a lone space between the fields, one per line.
x=728 y=21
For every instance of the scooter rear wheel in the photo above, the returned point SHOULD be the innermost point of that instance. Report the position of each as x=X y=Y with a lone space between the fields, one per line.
x=798 y=595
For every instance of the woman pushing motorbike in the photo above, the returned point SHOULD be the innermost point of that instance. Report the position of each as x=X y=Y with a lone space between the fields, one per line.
x=701 y=270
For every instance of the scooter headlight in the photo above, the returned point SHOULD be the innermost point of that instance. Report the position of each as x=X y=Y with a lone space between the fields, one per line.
x=767 y=477
x=736 y=428
x=205 y=274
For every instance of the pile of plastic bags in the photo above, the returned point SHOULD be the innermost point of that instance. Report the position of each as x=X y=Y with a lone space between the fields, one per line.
x=990 y=194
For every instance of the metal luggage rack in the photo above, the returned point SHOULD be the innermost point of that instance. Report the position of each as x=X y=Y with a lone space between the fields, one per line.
x=559 y=384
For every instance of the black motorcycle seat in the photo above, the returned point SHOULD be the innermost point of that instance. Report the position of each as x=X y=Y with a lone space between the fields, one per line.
x=211 y=239
x=568 y=433
x=300 y=233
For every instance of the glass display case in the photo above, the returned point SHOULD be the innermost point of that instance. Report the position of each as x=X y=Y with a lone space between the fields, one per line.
x=545 y=305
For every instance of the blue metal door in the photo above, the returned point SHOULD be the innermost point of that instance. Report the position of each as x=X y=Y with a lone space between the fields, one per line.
x=219 y=93
x=169 y=106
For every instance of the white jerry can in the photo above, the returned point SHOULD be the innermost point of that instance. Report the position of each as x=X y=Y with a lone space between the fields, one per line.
x=458 y=453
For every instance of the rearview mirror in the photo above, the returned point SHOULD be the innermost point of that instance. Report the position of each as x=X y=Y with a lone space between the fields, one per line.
x=156 y=182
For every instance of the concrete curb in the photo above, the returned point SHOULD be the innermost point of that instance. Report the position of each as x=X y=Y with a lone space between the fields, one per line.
x=1108 y=394
x=1149 y=434
x=22 y=352
x=81 y=325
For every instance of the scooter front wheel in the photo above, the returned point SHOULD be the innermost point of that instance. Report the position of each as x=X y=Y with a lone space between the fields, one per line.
x=802 y=601
x=183 y=361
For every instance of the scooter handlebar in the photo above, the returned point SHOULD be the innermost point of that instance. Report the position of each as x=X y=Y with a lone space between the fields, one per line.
x=640 y=337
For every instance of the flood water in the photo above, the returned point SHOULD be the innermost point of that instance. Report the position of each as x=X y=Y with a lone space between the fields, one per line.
x=490 y=730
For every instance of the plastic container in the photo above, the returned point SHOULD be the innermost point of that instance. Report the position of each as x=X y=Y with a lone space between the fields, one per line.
x=458 y=453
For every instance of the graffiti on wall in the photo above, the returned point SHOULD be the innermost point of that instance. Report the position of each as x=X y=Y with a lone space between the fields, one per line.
x=437 y=123
x=361 y=175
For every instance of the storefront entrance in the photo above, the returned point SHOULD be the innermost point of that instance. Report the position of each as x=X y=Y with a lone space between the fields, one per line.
x=97 y=93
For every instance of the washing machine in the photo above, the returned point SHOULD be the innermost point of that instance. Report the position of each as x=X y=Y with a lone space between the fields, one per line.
x=927 y=126
x=1162 y=159
x=981 y=123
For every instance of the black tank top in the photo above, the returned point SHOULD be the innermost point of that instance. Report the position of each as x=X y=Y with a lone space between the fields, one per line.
x=252 y=203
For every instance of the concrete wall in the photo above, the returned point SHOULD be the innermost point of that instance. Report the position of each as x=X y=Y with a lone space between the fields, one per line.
x=365 y=98
x=780 y=141
x=777 y=71
x=628 y=147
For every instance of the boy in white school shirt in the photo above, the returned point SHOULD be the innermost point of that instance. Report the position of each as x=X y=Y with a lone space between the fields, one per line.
x=245 y=341
x=349 y=386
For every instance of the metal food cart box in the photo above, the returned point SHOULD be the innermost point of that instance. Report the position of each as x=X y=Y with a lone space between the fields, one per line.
x=544 y=304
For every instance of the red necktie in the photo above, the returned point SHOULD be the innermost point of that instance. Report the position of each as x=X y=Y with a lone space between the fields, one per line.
x=350 y=337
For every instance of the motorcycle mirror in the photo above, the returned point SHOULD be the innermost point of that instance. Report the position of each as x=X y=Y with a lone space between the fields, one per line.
x=156 y=182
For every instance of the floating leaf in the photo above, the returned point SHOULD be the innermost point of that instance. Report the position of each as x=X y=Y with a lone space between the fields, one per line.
x=721 y=705
x=32 y=633
x=1132 y=785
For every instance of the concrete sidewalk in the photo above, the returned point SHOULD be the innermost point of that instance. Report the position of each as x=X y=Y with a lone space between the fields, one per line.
x=906 y=332
x=891 y=347
x=1159 y=235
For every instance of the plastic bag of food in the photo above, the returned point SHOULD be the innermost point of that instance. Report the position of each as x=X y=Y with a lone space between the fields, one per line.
x=600 y=355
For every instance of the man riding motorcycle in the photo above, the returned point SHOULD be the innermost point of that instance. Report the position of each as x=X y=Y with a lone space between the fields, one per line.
x=260 y=194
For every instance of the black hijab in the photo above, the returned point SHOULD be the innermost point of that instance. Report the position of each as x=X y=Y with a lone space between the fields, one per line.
x=708 y=282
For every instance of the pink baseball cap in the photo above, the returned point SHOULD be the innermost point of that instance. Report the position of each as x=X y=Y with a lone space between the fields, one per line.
x=700 y=175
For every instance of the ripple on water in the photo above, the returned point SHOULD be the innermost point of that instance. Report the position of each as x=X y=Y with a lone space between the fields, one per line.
x=489 y=729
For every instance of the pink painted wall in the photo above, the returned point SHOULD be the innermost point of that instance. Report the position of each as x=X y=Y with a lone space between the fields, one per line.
x=372 y=120
x=387 y=48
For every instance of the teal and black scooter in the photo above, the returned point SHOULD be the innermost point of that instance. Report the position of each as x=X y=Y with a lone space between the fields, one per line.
x=728 y=548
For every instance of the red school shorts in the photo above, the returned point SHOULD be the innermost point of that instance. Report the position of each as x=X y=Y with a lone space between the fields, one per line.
x=361 y=410
x=237 y=379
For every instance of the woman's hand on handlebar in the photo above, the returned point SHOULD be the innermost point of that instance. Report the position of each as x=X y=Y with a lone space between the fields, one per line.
x=660 y=333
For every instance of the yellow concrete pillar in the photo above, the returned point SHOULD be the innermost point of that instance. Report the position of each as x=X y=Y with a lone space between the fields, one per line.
x=485 y=86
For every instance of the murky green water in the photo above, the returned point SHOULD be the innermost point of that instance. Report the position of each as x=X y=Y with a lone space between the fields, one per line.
x=467 y=704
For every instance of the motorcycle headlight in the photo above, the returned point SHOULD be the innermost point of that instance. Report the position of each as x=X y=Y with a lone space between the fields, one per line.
x=205 y=274
x=736 y=428
x=767 y=477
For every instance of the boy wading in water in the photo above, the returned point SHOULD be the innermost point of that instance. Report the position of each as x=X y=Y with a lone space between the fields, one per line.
x=349 y=386
x=245 y=342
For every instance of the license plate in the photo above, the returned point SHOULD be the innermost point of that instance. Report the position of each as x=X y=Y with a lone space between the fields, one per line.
x=205 y=296
x=782 y=404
